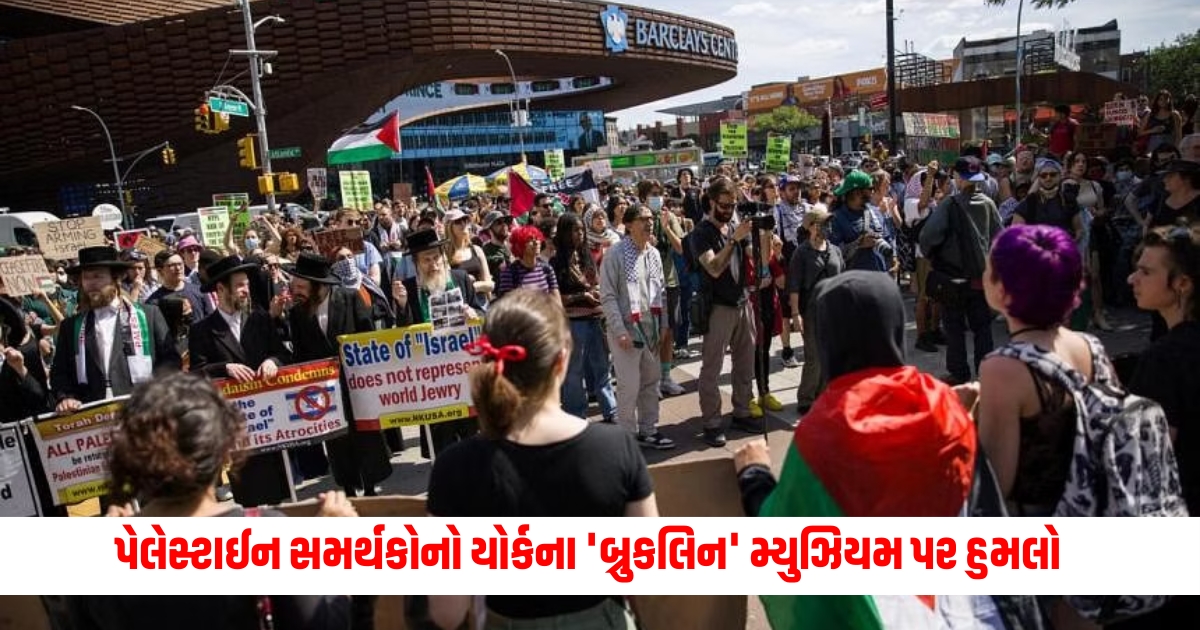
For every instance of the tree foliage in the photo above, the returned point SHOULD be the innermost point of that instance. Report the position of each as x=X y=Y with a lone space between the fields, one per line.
x=785 y=120
x=1173 y=66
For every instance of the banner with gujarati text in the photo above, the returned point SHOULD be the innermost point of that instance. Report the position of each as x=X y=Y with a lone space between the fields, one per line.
x=74 y=450
x=409 y=376
x=302 y=405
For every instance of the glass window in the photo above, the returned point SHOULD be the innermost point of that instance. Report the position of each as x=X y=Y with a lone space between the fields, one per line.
x=466 y=89
x=580 y=83
x=503 y=88
x=548 y=85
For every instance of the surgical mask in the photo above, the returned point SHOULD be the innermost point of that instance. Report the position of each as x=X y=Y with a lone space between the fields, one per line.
x=655 y=203
x=1124 y=175
x=251 y=244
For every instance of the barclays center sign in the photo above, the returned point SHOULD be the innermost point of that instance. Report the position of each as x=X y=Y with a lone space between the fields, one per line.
x=663 y=36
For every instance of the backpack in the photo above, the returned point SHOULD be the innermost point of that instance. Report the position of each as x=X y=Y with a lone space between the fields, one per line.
x=1122 y=460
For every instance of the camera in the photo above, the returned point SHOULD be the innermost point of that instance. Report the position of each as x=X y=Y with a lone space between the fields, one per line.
x=758 y=214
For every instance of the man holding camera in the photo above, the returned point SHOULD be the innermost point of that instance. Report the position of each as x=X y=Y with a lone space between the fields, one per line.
x=720 y=251
x=858 y=227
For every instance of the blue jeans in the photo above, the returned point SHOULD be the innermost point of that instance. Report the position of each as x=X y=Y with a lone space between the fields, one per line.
x=589 y=363
x=973 y=312
x=688 y=281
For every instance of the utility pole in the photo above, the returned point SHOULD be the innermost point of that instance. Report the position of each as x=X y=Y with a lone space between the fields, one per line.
x=112 y=151
x=891 y=74
x=518 y=119
x=260 y=111
x=1017 y=124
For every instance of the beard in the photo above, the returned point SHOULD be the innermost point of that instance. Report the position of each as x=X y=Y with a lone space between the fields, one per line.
x=723 y=216
x=241 y=305
x=308 y=304
x=436 y=282
x=103 y=297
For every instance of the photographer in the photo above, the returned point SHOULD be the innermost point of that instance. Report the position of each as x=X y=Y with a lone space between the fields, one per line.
x=858 y=228
x=719 y=250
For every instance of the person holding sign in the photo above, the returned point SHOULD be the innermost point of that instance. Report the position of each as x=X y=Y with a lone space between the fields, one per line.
x=113 y=343
x=241 y=343
x=322 y=312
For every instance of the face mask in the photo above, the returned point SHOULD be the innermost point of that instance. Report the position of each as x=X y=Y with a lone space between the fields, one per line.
x=347 y=271
x=251 y=244
x=655 y=203
x=1124 y=176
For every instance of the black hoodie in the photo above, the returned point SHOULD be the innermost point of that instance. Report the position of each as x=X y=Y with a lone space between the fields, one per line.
x=860 y=321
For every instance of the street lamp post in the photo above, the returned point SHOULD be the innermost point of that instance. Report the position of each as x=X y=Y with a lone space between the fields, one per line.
x=112 y=151
x=1017 y=123
x=517 y=101
x=260 y=109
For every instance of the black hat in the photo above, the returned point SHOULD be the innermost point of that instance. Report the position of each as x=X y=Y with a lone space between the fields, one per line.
x=314 y=268
x=222 y=269
x=423 y=240
x=100 y=256
x=1183 y=167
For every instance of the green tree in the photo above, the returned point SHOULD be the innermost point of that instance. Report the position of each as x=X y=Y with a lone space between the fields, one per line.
x=1173 y=66
x=785 y=120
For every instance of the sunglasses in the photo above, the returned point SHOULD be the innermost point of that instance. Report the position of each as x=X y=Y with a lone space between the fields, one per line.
x=1048 y=175
x=727 y=206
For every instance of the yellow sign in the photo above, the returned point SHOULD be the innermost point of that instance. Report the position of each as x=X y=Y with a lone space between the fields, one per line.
x=733 y=139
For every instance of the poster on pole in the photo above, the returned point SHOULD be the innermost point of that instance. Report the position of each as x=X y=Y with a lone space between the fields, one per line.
x=411 y=376
x=74 y=450
x=302 y=405
x=317 y=182
x=238 y=205
x=556 y=164
x=128 y=239
x=62 y=239
x=601 y=169
x=779 y=153
x=734 y=134
x=213 y=223
x=26 y=275
x=356 y=190
x=18 y=496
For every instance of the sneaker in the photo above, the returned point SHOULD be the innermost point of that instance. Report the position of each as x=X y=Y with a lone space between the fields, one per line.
x=669 y=387
x=685 y=354
x=224 y=493
x=803 y=406
x=657 y=441
x=925 y=343
x=747 y=425
x=771 y=403
x=792 y=362
x=755 y=410
x=714 y=438
x=785 y=354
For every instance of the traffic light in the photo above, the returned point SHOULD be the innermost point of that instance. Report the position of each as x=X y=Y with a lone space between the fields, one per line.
x=203 y=118
x=289 y=183
x=168 y=156
x=266 y=184
x=246 y=156
x=220 y=122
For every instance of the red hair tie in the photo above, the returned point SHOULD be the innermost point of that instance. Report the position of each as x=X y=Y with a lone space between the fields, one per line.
x=484 y=348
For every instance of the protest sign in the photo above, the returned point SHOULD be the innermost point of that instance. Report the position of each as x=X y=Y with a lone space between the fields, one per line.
x=409 y=376
x=25 y=275
x=317 y=182
x=213 y=223
x=150 y=246
x=329 y=241
x=17 y=494
x=62 y=239
x=74 y=450
x=601 y=169
x=302 y=405
x=556 y=164
x=239 y=214
x=356 y=190
x=779 y=153
x=1123 y=112
x=402 y=191
x=129 y=238
x=734 y=139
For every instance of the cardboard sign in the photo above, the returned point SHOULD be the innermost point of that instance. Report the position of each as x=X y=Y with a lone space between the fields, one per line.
x=556 y=164
x=129 y=238
x=734 y=134
x=329 y=241
x=213 y=223
x=74 y=450
x=409 y=376
x=62 y=239
x=150 y=246
x=238 y=205
x=302 y=405
x=17 y=494
x=356 y=190
x=318 y=182
x=402 y=191
x=25 y=275
x=1121 y=112
x=779 y=153
x=601 y=169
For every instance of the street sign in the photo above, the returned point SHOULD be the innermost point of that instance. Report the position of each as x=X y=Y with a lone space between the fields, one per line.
x=226 y=106
x=110 y=216
x=285 y=153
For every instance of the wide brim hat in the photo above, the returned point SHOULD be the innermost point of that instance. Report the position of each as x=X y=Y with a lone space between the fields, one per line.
x=100 y=256
x=492 y=217
x=222 y=269
x=854 y=180
x=188 y=242
x=314 y=268
x=423 y=241
x=1183 y=167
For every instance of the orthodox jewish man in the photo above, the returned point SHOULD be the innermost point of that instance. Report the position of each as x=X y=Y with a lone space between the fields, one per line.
x=440 y=296
x=241 y=342
x=113 y=342
x=321 y=312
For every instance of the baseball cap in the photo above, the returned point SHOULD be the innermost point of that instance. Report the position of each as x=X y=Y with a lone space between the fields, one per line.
x=453 y=215
x=970 y=169
x=855 y=180
x=994 y=158
x=790 y=179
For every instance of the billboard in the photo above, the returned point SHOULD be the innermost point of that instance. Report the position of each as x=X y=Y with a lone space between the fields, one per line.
x=863 y=83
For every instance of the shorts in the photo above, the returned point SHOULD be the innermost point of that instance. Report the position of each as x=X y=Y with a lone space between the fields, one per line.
x=672 y=307
x=921 y=276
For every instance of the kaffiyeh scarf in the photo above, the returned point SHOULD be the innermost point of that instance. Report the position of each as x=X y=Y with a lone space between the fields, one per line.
x=138 y=332
x=630 y=254
x=604 y=238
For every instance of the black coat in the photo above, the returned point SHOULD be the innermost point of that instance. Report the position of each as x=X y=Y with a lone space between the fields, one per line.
x=262 y=479
x=63 y=381
x=360 y=459
x=28 y=396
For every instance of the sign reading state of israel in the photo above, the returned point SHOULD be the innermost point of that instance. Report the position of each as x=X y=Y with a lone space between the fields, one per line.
x=655 y=34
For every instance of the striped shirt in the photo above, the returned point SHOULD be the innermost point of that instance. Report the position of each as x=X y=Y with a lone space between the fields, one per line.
x=516 y=276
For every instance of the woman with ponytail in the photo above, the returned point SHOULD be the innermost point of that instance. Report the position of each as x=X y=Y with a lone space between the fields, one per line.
x=534 y=459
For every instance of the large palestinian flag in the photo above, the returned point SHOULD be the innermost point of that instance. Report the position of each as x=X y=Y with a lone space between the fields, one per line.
x=366 y=143
x=883 y=442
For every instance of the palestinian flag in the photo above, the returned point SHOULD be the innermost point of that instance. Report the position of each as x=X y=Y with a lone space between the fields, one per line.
x=378 y=141
x=879 y=442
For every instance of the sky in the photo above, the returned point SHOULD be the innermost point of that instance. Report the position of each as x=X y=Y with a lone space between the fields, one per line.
x=780 y=40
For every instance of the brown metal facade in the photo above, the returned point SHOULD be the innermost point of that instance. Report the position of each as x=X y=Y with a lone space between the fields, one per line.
x=338 y=62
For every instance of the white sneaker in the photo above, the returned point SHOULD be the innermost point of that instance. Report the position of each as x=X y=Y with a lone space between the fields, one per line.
x=669 y=387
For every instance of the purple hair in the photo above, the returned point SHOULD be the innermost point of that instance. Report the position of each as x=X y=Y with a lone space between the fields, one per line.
x=1042 y=271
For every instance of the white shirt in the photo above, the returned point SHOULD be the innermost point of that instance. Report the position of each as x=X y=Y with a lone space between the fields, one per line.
x=323 y=315
x=235 y=323
x=106 y=332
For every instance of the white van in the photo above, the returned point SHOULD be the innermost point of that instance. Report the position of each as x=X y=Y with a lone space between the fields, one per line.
x=16 y=228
